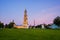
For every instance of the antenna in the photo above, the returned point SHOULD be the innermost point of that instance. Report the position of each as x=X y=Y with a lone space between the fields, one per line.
x=34 y=22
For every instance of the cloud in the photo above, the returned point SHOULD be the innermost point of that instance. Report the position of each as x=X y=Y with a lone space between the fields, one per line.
x=47 y=15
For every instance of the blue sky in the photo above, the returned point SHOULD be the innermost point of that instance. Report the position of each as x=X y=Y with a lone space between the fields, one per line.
x=42 y=11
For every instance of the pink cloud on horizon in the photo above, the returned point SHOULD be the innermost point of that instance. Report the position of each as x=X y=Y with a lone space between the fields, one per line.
x=47 y=15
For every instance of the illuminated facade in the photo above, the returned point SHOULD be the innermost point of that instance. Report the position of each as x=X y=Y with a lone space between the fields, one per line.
x=25 y=21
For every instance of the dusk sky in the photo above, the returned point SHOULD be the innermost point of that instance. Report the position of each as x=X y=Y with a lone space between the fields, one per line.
x=42 y=11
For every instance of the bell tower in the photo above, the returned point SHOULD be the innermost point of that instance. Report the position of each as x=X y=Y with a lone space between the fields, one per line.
x=25 y=22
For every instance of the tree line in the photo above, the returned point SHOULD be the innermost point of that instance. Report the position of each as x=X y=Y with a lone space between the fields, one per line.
x=56 y=21
x=10 y=25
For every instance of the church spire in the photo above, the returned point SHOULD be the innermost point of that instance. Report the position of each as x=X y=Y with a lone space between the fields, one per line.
x=25 y=23
x=25 y=11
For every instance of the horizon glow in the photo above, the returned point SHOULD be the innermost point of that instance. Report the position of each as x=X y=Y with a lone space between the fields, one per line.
x=42 y=11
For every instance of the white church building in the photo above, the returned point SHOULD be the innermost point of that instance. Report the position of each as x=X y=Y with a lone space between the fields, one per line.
x=25 y=21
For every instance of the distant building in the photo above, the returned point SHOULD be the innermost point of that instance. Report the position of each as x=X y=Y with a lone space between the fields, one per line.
x=25 y=21
x=42 y=26
x=53 y=26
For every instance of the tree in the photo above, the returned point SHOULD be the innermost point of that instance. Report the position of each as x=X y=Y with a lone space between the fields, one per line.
x=1 y=25
x=38 y=26
x=47 y=26
x=6 y=25
x=57 y=21
x=11 y=24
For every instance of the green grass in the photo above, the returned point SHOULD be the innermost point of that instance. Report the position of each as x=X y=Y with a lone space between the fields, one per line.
x=29 y=34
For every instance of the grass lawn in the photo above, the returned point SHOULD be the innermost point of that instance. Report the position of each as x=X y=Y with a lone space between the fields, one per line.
x=29 y=34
